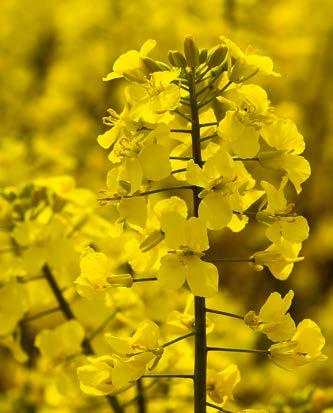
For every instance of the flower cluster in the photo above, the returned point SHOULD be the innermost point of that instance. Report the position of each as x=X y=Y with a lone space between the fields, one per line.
x=197 y=125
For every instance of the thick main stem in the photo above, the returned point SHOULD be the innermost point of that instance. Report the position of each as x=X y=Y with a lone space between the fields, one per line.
x=141 y=397
x=68 y=313
x=200 y=362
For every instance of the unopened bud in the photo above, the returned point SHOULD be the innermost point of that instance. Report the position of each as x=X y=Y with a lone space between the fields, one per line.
x=203 y=56
x=177 y=59
x=216 y=55
x=126 y=186
x=271 y=159
x=191 y=52
x=152 y=240
x=151 y=65
x=265 y=216
x=251 y=319
x=270 y=155
x=120 y=280
x=241 y=71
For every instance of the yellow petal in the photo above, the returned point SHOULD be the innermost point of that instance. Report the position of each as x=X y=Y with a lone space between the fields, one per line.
x=202 y=277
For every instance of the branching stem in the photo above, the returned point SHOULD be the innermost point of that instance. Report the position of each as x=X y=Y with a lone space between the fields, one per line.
x=225 y=313
x=67 y=311
x=169 y=343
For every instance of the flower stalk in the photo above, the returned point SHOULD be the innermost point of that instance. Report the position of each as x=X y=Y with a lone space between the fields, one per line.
x=68 y=313
x=200 y=362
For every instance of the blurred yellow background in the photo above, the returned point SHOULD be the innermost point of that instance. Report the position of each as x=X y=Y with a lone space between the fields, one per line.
x=53 y=54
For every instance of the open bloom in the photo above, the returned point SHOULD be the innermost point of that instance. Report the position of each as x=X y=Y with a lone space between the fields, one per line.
x=144 y=340
x=247 y=65
x=97 y=275
x=281 y=224
x=185 y=322
x=223 y=181
x=304 y=347
x=220 y=385
x=273 y=319
x=137 y=154
x=63 y=341
x=279 y=259
x=187 y=240
x=104 y=375
x=131 y=65
x=283 y=136
x=155 y=97
x=242 y=124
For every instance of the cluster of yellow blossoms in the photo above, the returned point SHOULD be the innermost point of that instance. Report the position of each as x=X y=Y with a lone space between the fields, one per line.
x=151 y=147
x=195 y=125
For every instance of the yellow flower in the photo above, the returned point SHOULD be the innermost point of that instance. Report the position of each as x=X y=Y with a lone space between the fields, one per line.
x=185 y=322
x=277 y=217
x=220 y=386
x=186 y=240
x=108 y=374
x=241 y=126
x=247 y=65
x=156 y=96
x=136 y=156
x=304 y=347
x=289 y=144
x=222 y=180
x=144 y=341
x=279 y=259
x=64 y=341
x=97 y=275
x=273 y=319
x=130 y=64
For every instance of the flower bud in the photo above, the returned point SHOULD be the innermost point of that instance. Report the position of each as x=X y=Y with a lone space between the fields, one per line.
x=216 y=55
x=242 y=71
x=120 y=280
x=151 y=65
x=152 y=240
x=271 y=159
x=265 y=216
x=176 y=59
x=191 y=52
x=203 y=56
x=251 y=319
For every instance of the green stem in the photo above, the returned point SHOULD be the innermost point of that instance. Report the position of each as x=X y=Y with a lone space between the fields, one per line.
x=168 y=376
x=169 y=343
x=177 y=171
x=208 y=137
x=140 y=397
x=220 y=409
x=42 y=314
x=200 y=357
x=209 y=310
x=153 y=191
x=237 y=350
x=204 y=125
x=229 y=260
x=201 y=75
x=183 y=115
x=27 y=280
x=180 y=158
x=139 y=280
x=67 y=311
x=181 y=130
x=215 y=95
x=245 y=159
